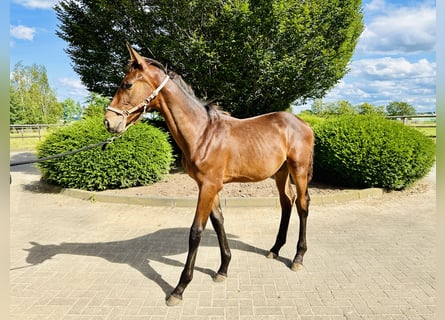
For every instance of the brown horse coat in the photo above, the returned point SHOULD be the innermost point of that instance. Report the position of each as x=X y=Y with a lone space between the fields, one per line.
x=219 y=149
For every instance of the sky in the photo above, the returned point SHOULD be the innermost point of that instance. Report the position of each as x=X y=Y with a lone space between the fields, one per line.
x=394 y=60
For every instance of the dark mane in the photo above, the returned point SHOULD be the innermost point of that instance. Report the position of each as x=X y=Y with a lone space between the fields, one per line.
x=213 y=109
x=181 y=83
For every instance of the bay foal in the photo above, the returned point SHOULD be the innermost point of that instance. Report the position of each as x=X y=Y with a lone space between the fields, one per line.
x=219 y=149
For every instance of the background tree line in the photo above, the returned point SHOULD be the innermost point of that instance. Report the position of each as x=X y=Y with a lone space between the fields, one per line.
x=31 y=98
x=33 y=101
x=343 y=107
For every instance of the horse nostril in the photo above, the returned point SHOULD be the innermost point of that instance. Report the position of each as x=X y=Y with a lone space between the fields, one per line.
x=107 y=124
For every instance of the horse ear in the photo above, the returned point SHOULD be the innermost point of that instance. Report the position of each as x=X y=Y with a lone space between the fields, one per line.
x=135 y=57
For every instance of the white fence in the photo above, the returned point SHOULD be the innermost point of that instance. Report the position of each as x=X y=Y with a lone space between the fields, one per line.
x=23 y=131
x=416 y=119
x=425 y=123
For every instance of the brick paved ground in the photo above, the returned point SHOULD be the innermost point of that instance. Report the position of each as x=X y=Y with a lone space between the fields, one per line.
x=73 y=259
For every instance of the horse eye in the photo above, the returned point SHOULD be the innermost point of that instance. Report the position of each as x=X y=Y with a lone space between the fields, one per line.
x=127 y=85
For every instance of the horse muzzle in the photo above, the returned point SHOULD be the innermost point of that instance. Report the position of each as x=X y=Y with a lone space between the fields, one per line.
x=115 y=124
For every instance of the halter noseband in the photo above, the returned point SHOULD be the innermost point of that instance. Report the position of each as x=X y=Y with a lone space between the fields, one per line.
x=144 y=104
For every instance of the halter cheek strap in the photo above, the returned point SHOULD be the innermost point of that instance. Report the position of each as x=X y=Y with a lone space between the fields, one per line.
x=144 y=104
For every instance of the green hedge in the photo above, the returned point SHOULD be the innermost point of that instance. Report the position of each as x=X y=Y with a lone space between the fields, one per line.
x=141 y=156
x=370 y=151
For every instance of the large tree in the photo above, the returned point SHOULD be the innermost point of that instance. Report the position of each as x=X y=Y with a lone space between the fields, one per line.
x=95 y=105
x=252 y=56
x=32 y=100
x=71 y=110
x=400 y=108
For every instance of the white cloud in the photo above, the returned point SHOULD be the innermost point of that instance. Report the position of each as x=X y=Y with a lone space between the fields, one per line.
x=393 y=68
x=382 y=80
x=71 y=88
x=375 y=5
x=37 y=4
x=22 y=32
x=73 y=83
x=398 y=30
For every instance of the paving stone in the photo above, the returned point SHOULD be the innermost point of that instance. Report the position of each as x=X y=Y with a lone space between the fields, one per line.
x=75 y=259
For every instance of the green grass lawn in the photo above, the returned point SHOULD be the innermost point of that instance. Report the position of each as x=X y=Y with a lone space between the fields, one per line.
x=427 y=128
x=28 y=142
x=429 y=132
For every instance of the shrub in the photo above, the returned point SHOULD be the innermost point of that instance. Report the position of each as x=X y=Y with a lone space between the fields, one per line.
x=141 y=156
x=370 y=151
x=313 y=120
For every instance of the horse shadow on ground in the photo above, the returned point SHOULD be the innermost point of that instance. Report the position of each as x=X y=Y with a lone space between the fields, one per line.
x=139 y=252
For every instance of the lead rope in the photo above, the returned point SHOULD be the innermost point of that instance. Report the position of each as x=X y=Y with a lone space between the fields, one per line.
x=102 y=144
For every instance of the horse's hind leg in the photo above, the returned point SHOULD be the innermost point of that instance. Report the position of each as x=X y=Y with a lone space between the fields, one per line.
x=301 y=177
x=217 y=220
x=287 y=198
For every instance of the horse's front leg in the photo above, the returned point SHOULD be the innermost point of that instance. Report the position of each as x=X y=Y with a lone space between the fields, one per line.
x=203 y=209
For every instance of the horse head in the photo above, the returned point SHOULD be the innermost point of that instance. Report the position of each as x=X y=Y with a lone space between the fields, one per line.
x=137 y=93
